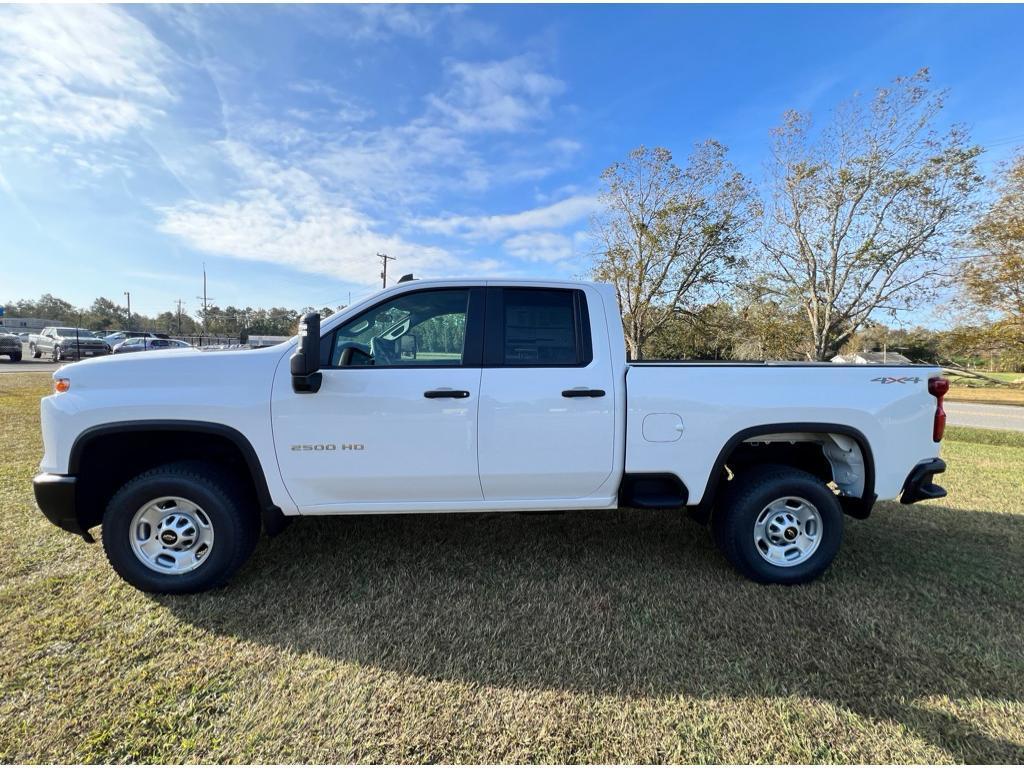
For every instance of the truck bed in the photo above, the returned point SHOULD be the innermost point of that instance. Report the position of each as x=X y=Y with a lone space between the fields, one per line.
x=682 y=415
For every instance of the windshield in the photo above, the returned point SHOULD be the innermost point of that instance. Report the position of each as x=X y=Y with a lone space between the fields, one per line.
x=82 y=333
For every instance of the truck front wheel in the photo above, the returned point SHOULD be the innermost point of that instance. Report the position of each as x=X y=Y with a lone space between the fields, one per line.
x=179 y=528
x=778 y=525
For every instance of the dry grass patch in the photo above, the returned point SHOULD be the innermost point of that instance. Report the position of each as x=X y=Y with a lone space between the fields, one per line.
x=992 y=395
x=595 y=637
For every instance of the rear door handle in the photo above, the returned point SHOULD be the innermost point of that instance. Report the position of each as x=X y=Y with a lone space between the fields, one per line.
x=582 y=392
x=433 y=394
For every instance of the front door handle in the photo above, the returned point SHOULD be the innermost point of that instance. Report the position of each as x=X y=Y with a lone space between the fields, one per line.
x=582 y=392
x=433 y=394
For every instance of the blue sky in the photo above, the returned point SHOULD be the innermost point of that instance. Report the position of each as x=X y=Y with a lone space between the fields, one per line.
x=285 y=146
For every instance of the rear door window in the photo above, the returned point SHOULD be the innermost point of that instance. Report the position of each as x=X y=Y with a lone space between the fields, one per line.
x=538 y=327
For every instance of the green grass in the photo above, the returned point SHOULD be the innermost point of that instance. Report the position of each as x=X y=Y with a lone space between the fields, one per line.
x=596 y=637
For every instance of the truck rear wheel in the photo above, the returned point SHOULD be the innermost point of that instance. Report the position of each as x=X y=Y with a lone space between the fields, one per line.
x=179 y=528
x=778 y=525
x=36 y=354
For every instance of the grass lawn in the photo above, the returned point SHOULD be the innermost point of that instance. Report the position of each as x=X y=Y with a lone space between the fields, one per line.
x=598 y=637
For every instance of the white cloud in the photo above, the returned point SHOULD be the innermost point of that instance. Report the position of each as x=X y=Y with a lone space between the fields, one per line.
x=284 y=216
x=378 y=22
x=402 y=164
x=300 y=182
x=374 y=23
x=565 y=147
x=506 y=95
x=553 y=216
x=442 y=148
x=306 y=207
x=87 y=72
x=549 y=247
x=342 y=109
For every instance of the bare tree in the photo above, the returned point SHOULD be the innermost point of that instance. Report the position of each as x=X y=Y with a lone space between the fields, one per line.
x=669 y=236
x=863 y=214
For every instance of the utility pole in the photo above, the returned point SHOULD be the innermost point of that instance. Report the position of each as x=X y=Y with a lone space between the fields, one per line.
x=179 y=317
x=384 y=259
x=128 y=295
x=205 y=299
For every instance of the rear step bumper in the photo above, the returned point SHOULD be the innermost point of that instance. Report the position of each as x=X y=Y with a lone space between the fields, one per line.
x=919 y=484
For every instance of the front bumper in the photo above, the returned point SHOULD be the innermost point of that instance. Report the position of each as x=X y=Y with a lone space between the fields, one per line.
x=919 y=484
x=84 y=353
x=55 y=496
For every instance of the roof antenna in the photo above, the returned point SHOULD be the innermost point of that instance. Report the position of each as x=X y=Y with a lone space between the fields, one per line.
x=406 y=278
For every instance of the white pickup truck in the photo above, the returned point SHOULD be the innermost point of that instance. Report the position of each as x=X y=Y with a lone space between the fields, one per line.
x=472 y=396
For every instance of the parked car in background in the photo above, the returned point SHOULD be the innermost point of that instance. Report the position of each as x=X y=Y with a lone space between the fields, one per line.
x=146 y=344
x=10 y=345
x=68 y=344
x=116 y=337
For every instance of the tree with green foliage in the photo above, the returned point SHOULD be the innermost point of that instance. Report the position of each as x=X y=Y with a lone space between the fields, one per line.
x=917 y=343
x=670 y=238
x=863 y=214
x=105 y=313
x=994 y=280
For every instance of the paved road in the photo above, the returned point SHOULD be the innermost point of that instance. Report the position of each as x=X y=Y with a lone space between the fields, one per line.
x=27 y=364
x=984 y=415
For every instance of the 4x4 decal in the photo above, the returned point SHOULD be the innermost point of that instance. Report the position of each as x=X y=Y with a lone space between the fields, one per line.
x=897 y=379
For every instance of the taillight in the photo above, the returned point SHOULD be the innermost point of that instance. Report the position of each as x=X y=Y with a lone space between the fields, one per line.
x=938 y=387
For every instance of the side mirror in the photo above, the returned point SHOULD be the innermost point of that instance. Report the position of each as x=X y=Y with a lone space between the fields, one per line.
x=305 y=361
x=409 y=346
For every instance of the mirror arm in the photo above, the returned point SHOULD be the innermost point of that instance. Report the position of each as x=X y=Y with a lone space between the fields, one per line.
x=309 y=383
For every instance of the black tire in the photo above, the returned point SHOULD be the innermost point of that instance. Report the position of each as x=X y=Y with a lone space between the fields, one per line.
x=16 y=357
x=236 y=527
x=36 y=354
x=750 y=493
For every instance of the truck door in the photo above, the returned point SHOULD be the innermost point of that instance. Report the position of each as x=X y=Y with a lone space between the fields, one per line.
x=395 y=420
x=547 y=415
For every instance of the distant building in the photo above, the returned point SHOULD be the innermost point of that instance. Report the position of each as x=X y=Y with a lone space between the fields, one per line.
x=873 y=358
x=257 y=341
x=30 y=324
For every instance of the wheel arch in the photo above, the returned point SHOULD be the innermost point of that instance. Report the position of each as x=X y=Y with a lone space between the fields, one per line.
x=121 y=437
x=859 y=507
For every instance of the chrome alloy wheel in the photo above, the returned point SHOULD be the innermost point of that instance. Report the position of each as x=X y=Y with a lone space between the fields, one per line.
x=171 y=535
x=788 y=531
